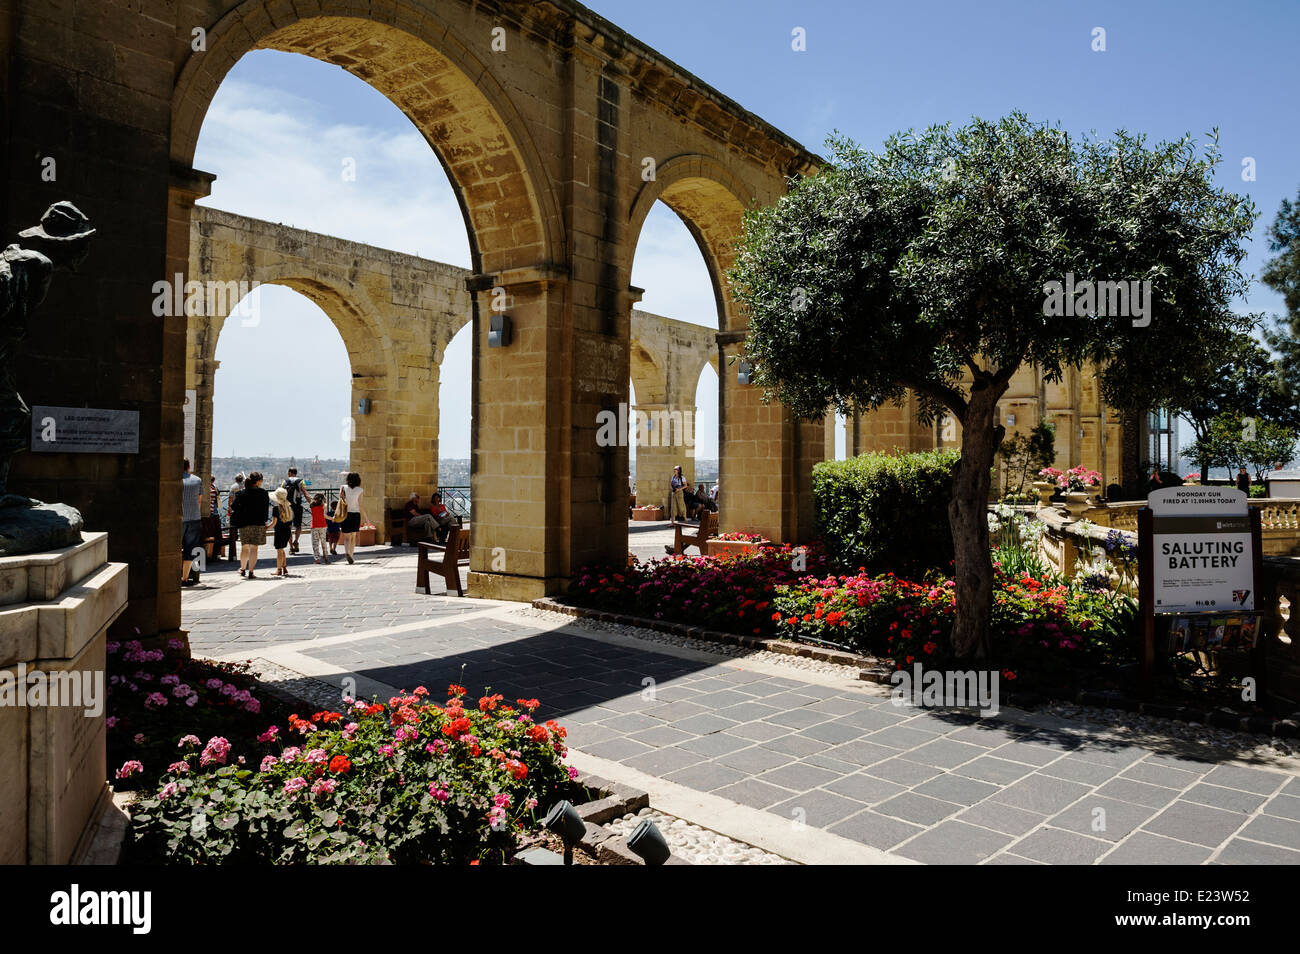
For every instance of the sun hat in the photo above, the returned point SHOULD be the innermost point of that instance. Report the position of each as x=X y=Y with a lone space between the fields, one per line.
x=62 y=222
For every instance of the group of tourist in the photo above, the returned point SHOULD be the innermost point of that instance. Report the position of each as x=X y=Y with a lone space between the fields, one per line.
x=690 y=505
x=251 y=510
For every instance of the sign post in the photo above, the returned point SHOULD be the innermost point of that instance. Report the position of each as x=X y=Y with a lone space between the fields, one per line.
x=1199 y=553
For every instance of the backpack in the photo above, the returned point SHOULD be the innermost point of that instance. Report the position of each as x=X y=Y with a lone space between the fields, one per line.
x=294 y=486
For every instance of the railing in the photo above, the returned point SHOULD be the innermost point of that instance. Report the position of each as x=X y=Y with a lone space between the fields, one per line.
x=1279 y=519
x=455 y=498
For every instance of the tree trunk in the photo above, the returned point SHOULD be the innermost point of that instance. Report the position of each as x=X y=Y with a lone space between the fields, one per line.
x=968 y=517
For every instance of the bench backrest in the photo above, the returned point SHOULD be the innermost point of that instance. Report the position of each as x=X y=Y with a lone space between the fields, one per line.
x=709 y=525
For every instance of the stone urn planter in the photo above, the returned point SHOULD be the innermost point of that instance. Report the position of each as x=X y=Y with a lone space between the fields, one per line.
x=1045 y=489
x=1094 y=494
x=648 y=513
x=732 y=548
x=1076 y=502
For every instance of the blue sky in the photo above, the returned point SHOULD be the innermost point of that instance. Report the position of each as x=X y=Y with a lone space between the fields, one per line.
x=280 y=125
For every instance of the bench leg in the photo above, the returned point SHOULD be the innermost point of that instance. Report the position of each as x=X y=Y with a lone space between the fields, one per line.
x=451 y=576
x=422 y=573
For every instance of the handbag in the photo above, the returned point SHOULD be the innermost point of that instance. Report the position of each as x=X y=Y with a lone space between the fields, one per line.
x=341 y=509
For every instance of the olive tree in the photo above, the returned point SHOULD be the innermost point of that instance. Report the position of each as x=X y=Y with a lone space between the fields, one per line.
x=949 y=259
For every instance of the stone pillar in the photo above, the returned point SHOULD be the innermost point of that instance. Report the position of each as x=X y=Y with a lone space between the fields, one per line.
x=767 y=458
x=411 y=453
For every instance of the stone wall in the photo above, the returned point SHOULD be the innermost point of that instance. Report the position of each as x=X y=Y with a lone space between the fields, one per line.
x=545 y=142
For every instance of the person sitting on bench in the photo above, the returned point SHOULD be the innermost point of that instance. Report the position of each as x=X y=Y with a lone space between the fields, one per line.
x=432 y=525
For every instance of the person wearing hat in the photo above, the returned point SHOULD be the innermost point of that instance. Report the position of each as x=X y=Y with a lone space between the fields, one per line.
x=282 y=517
x=677 y=494
x=62 y=239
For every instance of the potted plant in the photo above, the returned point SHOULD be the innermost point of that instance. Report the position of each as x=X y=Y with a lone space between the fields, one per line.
x=1049 y=483
x=367 y=535
x=734 y=543
x=647 y=512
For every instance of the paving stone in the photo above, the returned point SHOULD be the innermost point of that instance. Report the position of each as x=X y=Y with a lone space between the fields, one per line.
x=1284 y=806
x=831 y=765
x=1274 y=831
x=989 y=768
x=1055 y=847
x=1042 y=794
x=876 y=717
x=798 y=718
x=702 y=724
x=754 y=759
x=820 y=809
x=1118 y=821
x=1239 y=851
x=918 y=808
x=879 y=831
x=1292 y=787
x=831 y=733
x=861 y=753
x=1140 y=793
x=1108 y=753
x=674 y=711
x=754 y=793
x=660 y=736
x=840 y=705
x=944 y=753
x=1037 y=755
x=1198 y=824
x=1156 y=773
x=1007 y=858
x=747 y=711
x=1144 y=848
x=796 y=745
x=1076 y=770
x=1229 y=799
x=712 y=746
x=1002 y=818
x=902 y=737
x=705 y=776
x=955 y=788
x=758 y=731
x=903 y=771
x=798 y=776
x=723 y=698
x=617 y=749
x=954 y=843
x=988 y=736
x=662 y=761
x=1246 y=779
x=864 y=788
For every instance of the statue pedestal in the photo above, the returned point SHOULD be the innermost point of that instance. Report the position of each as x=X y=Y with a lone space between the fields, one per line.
x=55 y=609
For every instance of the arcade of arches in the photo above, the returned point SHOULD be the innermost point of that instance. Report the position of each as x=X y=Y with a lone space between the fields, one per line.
x=396 y=314
x=545 y=143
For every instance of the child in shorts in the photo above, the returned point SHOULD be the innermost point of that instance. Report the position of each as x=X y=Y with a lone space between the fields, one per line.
x=319 y=530
x=333 y=532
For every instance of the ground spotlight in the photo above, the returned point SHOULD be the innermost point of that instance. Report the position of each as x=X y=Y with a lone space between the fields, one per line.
x=648 y=841
x=564 y=820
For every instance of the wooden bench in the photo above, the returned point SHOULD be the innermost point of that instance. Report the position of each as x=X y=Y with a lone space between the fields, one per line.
x=681 y=539
x=446 y=560
x=395 y=526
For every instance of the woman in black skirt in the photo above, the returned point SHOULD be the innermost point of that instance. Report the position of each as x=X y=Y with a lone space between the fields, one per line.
x=351 y=495
x=282 y=513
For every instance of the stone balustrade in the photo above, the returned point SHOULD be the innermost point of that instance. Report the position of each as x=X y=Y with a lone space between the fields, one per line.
x=1279 y=520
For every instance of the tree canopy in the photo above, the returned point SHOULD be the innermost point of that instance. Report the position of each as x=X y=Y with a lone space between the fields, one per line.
x=948 y=259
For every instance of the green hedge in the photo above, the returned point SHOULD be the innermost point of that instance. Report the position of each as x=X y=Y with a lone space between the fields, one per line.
x=886 y=512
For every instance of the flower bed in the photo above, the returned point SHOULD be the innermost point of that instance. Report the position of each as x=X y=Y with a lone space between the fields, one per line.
x=731 y=595
x=406 y=782
x=647 y=513
x=1041 y=628
x=155 y=696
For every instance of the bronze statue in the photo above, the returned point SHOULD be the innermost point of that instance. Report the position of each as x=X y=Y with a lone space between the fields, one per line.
x=61 y=239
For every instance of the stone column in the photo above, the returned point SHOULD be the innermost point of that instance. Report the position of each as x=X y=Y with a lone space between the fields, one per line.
x=767 y=458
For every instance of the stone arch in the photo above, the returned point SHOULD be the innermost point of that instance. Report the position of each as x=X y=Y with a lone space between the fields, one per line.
x=427 y=70
x=372 y=365
x=710 y=200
